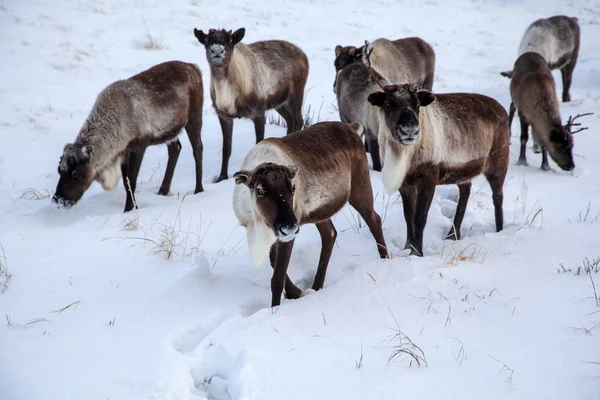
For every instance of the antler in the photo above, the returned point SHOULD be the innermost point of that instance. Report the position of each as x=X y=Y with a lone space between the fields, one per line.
x=571 y=122
x=367 y=53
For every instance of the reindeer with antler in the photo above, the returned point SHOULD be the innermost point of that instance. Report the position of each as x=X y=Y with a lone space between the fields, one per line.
x=533 y=94
x=354 y=81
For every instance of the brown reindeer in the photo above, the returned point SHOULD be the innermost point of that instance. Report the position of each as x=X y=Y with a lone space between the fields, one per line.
x=451 y=140
x=149 y=108
x=533 y=94
x=248 y=80
x=408 y=60
x=557 y=40
x=304 y=178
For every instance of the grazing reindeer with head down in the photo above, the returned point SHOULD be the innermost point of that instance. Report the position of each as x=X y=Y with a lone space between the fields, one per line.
x=533 y=94
x=353 y=84
x=149 y=108
x=427 y=140
x=248 y=80
x=304 y=178
x=557 y=40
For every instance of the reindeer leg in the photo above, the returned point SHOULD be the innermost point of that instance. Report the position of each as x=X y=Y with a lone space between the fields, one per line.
x=567 y=77
x=282 y=260
x=524 y=137
x=373 y=149
x=291 y=290
x=511 y=116
x=545 y=164
x=130 y=174
x=259 y=127
x=287 y=116
x=409 y=205
x=227 y=129
x=193 y=130
x=464 y=190
x=425 y=189
x=173 y=148
x=328 y=236
x=361 y=198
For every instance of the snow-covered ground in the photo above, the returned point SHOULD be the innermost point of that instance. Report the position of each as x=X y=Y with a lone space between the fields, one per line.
x=95 y=310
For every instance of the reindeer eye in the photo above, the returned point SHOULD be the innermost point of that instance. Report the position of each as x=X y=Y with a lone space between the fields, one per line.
x=75 y=174
x=259 y=192
x=387 y=106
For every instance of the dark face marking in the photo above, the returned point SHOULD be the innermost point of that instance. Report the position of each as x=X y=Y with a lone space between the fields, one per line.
x=272 y=188
x=345 y=56
x=400 y=104
x=219 y=45
x=560 y=148
x=75 y=175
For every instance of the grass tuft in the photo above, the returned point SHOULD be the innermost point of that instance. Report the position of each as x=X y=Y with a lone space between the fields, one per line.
x=34 y=194
x=5 y=275
x=149 y=41
x=405 y=347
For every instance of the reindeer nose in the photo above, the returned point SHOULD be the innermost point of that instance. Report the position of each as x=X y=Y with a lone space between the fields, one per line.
x=408 y=130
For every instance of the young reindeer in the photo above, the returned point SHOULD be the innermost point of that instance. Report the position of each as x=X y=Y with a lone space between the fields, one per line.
x=304 y=178
x=248 y=80
x=149 y=108
x=353 y=84
x=557 y=40
x=533 y=94
x=428 y=140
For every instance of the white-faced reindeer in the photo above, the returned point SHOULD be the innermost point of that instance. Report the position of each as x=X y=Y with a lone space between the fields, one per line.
x=304 y=178
x=533 y=94
x=427 y=140
x=149 y=108
x=248 y=80
x=557 y=40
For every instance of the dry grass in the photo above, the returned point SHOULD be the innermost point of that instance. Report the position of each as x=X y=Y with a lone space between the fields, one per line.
x=73 y=304
x=5 y=275
x=586 y=216
x=149 y=41
x=34 y=194
x=589 y=268
x=405 y=347
x=505 y=368
x=473 y=252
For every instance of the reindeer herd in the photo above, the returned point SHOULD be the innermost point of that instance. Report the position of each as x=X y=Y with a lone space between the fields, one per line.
x=416 y=138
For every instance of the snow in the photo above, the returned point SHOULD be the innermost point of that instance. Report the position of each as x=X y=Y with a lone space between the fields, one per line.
x=494 y=314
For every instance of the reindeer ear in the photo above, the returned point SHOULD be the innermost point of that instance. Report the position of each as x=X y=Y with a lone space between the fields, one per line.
x=291 y=171
x=377 y=98
x=67 y=147
x=86 y=151
x=243 y=176
x=352 y=51
x=238 y=35
x=200 y=36
x=338 y=50
x=425 y=97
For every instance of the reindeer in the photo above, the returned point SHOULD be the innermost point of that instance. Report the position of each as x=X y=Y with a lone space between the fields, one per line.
x=408 y=60
x=248 y=80
x=427 y=140
x=533 y=94
x=557 y=40
x=353 y=83
x=304 y=178
x=149 y=108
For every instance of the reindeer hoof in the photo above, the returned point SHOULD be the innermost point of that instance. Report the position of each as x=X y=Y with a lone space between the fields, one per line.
x=546 y=167
x=452 y=235
x=163 y=192
x=198 y=190
x=537 y=149
x=522 y=162
x=414 y=252
x=221 y=178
